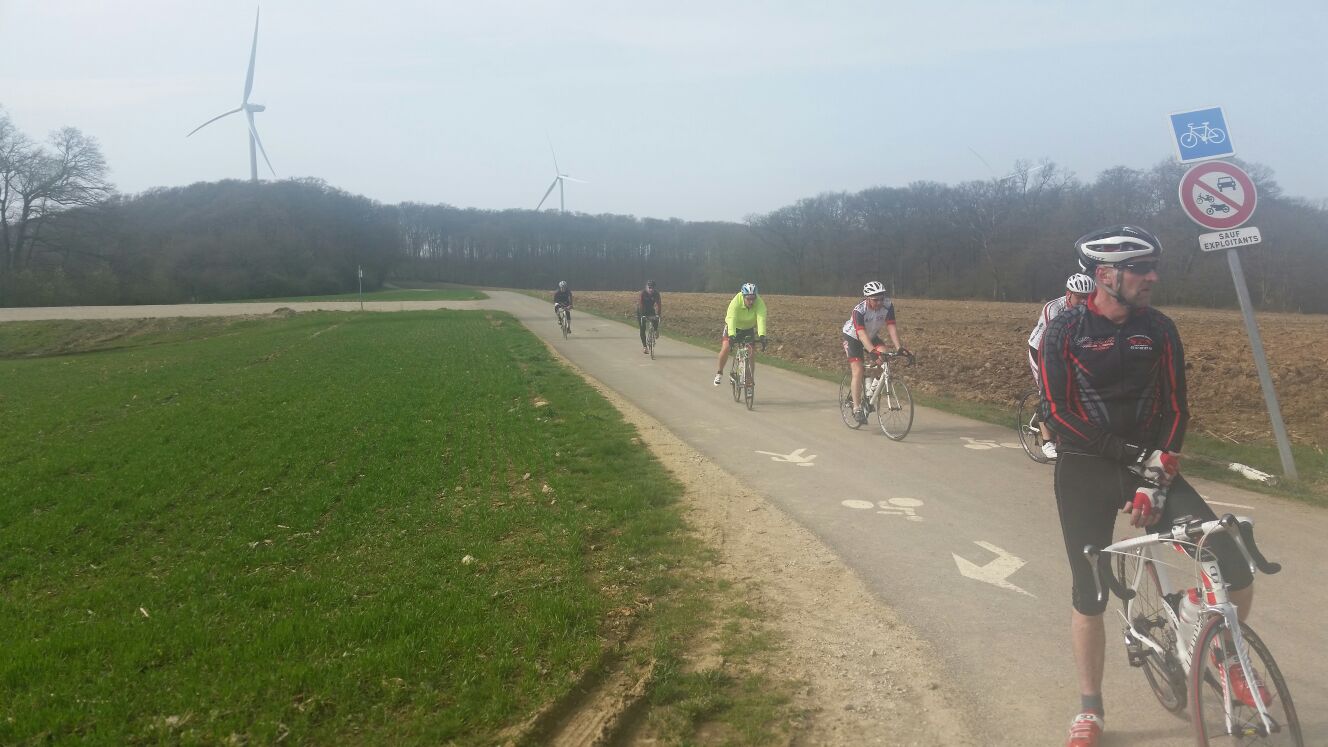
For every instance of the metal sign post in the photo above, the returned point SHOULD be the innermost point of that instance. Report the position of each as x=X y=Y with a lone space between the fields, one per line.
x=360 y=271
x=1261 y=363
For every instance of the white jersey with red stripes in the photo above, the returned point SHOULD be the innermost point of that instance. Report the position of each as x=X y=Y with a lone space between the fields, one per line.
x=1050 y=311
x=870 y=320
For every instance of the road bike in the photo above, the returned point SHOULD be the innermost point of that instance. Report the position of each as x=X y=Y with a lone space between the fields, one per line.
x=884 y=393
x=1186 y=637
x=564 y=320
x=742 y=370
x=652 y=334
x=1203 y=133
x=1029 y=424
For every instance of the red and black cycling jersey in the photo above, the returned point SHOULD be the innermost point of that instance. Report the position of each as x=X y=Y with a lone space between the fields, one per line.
x=648 y=303
x=563 y=298
x=1112 y=390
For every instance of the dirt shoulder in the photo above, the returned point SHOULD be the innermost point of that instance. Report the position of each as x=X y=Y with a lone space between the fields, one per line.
x=864 y=677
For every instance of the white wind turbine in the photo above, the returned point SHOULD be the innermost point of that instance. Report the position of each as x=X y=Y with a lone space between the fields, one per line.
x=558 y=178
x=248 y=110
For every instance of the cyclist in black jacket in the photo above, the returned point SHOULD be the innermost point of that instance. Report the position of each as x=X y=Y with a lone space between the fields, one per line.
x=563 y=298
x=648 y=309
x=1113 y=389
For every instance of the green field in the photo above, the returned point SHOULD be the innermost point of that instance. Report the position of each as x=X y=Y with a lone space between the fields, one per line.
x=222 y=530
x=396 y=294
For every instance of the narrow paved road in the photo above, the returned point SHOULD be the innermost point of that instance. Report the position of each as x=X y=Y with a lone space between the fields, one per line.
x=909 y=517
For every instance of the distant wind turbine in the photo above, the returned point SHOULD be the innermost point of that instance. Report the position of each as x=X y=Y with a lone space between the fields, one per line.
x=248 y=110
x=558 y=178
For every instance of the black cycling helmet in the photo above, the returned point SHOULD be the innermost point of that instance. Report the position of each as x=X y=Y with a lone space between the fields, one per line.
x=1114 y=245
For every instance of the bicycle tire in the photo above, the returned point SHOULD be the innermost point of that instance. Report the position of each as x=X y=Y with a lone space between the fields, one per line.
x=846 y=402
x=735 y=376
x=651 y=336
x=1146 y=613
x=1030 y=435
x=894 y=409
x=1206 y=694
x=749 y=386
x=562 y=322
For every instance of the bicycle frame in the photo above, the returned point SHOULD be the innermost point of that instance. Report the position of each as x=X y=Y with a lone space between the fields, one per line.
x=1213 y=599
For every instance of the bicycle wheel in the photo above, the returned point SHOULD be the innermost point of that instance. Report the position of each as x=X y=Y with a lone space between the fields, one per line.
x=650 y=342
x=1209 y=685
x=894 y=409
x=846 y=402
x=749 y=386
x=735 y=377
x=562 y=322
x=1030 y=435
x=1148 y=616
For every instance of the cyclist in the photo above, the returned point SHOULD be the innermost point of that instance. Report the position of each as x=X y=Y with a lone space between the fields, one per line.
x=562 y=298
x=1113 y=389
x=862 y=333
x=648 y=308
x=1078 y=287
x=744 y=320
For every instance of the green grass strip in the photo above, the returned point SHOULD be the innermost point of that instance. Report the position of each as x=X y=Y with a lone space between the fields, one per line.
x=257 y=530
x=399 y=294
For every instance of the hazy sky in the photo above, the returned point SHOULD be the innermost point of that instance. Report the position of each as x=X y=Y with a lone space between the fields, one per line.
x=699 y=110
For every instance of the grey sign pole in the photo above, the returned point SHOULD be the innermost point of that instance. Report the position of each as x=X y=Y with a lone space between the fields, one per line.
x=1261 y=363
x=359 y=271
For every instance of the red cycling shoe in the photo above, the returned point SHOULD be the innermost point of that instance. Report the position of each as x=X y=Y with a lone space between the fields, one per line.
x=1086 y=730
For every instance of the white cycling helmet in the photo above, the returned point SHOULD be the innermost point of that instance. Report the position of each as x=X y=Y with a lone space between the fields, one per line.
x=874 y=288
x=1080 y=283
x=1111 y=246
x=562 y=285
x=748 y=289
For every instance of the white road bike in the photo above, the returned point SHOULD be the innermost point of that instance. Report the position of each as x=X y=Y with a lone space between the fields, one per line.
x=1196 y=662
x=884 y=393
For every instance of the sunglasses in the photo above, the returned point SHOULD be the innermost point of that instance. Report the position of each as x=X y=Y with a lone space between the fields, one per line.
x=1139 y=268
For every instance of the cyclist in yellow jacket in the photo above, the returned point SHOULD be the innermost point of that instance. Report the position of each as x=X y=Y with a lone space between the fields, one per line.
x=745 y=320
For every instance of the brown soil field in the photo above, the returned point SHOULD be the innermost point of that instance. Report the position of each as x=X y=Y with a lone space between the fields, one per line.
x=975 y=351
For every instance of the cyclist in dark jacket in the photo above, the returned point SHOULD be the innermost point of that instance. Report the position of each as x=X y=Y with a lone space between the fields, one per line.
x=648 y=308
x=563 y=298
x=1113 y=388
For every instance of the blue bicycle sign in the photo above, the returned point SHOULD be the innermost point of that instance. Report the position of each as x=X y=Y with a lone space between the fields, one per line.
x=1201 y=135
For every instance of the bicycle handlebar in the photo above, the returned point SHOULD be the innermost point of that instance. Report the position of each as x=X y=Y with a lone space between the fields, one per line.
x=1189 y=530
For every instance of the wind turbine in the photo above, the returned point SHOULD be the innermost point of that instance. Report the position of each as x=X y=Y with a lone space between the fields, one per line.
x=558 y=178
x=248 y=110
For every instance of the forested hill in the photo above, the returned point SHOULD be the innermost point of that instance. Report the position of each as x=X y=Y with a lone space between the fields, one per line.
x=1005 y=239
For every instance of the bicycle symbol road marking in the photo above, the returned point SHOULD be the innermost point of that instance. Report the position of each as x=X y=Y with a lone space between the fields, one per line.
x=906 y=507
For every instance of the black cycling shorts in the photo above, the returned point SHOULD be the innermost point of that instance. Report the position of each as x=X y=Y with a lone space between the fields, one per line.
x=853 y=346
x=741 y=335
x=1090 y=491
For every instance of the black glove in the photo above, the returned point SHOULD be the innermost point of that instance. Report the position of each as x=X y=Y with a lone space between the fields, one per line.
x=762 y=341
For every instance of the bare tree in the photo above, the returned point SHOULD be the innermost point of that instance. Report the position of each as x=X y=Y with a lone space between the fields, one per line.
x=37 y=182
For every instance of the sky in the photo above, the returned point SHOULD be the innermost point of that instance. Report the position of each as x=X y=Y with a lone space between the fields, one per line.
x=700 y=110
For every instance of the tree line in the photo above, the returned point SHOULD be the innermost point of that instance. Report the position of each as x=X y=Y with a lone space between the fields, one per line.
x=66 y=237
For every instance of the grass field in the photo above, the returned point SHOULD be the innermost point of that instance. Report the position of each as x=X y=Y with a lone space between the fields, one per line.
x=397 y=294
x=222 y=530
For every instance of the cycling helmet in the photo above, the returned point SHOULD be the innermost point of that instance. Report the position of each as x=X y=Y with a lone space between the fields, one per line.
x=562 y=285
x=1110 y=246
x=650 y=283
x=748 y=289
x=1080 y=283
x=874 y=288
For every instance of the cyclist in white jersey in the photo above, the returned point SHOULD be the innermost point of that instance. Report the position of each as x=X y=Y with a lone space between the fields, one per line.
x=1078 y=288
x=862 y=333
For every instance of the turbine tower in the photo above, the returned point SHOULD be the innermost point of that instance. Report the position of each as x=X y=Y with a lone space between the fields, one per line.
x=255 y=144
x=558 y=178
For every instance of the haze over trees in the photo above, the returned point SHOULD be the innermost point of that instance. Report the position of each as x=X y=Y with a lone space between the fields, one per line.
x=66 y=238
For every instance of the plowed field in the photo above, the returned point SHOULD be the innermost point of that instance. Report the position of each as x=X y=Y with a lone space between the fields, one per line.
x=975 y=350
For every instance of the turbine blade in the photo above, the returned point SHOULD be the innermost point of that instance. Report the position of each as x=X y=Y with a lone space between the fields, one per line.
x=253 y=53
x=556 y=170
x=565 y=177
x=214 y=119
x=547 y=192
x=253 y=132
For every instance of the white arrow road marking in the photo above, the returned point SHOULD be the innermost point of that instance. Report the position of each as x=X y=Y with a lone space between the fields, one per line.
x=981 y=444
x=994 y=572
x=795 y=457
x=1233 y=505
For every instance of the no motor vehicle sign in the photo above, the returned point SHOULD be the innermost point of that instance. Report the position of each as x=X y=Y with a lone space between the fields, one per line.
x=1218 y=195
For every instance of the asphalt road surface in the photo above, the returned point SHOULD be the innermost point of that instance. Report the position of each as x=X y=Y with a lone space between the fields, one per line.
x=954 y=527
